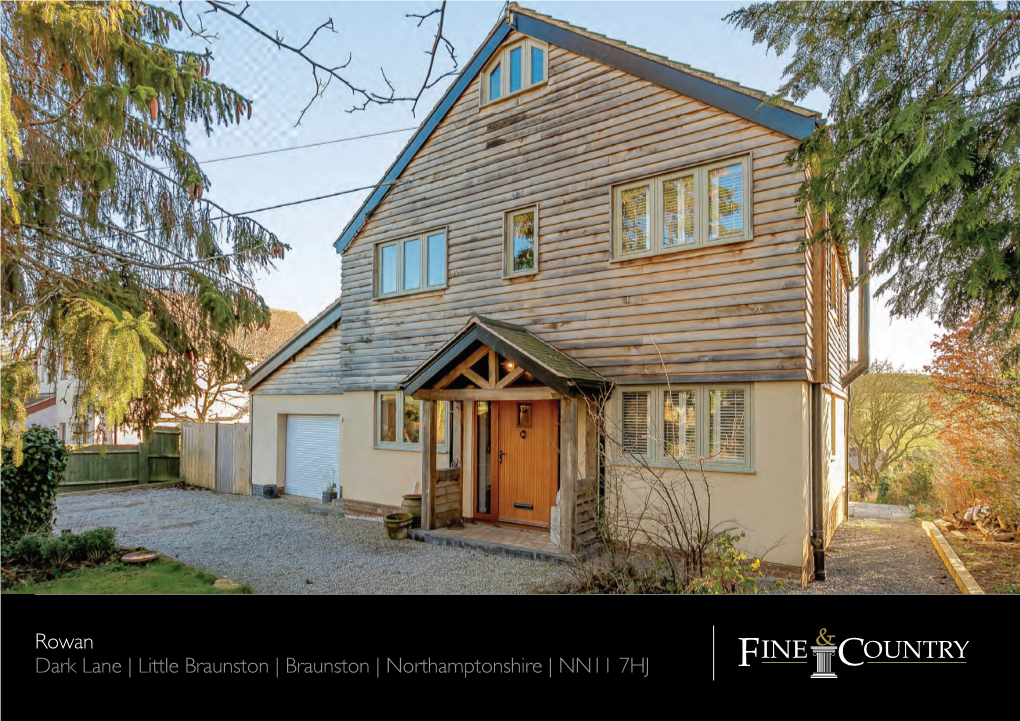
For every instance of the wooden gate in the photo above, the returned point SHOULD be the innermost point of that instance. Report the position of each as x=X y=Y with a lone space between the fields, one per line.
x=215 y=456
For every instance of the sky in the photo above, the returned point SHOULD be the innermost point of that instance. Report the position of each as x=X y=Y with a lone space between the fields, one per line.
x=376 y=35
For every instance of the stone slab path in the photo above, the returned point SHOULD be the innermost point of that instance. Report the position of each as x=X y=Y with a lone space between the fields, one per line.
x=879 y=510
x=882 y=556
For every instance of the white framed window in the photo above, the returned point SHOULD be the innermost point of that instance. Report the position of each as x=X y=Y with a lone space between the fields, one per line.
x=686 y=423
x=398 y=422
x=411 y=265
x=517 y=67
x=520 y=241
x=690 y=208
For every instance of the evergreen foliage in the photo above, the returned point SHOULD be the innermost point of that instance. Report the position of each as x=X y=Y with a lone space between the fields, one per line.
x=921 y=151
x=29 y=486
x=108 y=233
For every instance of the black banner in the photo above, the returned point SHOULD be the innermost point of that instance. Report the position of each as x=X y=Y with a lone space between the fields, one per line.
x=417 y=644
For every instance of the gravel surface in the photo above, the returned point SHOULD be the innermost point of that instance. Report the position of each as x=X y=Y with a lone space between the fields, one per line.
x=277 y=547
x=881 y=555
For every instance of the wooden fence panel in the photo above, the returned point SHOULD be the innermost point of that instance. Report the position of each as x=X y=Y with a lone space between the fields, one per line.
x=224 y=458
x=242 y=440
x=164 y=454
x=198 y=454
x=215 y=456
x=103 y=467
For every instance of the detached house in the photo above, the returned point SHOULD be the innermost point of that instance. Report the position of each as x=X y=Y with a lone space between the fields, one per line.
x=576 y=219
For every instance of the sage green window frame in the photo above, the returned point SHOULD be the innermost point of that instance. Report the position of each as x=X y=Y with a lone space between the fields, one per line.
x=423 y=263
x=502 y=59
x=656 y=207
x=656 y=455
x=508 y=261
x=399 y=444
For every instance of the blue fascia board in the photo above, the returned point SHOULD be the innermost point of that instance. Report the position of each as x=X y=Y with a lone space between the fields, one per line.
x=430 y=124
x=732 y=101
x=285 y=352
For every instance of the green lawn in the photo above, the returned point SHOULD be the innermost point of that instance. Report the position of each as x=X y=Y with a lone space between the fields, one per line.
x=162 y=576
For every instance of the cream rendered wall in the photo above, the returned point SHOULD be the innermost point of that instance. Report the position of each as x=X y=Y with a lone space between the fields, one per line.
x=835 y=477
x=366 y=473
x=773 y=504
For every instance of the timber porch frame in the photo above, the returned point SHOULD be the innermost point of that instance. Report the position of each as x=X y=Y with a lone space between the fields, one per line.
x=556 y=376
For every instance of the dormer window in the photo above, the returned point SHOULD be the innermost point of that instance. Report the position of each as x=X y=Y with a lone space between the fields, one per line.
x=514 y=69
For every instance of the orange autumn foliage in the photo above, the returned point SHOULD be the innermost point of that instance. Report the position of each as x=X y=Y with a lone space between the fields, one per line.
x=977 y=402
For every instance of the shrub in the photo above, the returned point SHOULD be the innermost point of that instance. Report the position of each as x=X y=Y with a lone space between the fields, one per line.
x=28 y=549
x=97 y=545
x=42 y=549
x=909 y=481
x=29 y=490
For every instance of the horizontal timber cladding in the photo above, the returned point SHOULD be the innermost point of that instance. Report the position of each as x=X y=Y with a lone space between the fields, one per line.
x=737 y=311
x=313 y=369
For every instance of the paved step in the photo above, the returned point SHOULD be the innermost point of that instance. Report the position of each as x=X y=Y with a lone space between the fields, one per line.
x=445 y=538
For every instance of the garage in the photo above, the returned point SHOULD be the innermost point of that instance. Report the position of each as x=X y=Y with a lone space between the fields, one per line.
x=313 y=454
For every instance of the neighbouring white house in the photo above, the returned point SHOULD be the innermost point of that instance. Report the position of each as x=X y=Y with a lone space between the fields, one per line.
x=54 y=407
x=577 y=219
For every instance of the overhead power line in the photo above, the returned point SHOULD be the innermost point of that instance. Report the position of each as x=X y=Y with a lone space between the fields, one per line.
x=310 y=145
x=305 y=200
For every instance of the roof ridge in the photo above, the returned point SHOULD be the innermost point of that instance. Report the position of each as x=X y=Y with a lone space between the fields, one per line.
x=706 y=74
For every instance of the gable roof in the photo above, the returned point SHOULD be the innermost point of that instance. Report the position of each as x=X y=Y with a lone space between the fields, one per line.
x=786 y=118
x=315 y=327
x=552 y=367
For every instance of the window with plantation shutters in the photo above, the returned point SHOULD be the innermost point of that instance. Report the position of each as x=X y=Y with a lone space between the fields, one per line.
x=634 y=219
x=727 y=439
x=679 y=429
x=690 y=426
x=695 y=207
x=635 y=422
x=678 y=211
x=726 y=201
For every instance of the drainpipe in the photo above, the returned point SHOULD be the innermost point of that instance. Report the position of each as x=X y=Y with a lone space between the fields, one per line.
x=817 y=502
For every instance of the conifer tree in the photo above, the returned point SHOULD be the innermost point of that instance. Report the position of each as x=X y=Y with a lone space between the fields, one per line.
x=109 y=241
x=921 y=150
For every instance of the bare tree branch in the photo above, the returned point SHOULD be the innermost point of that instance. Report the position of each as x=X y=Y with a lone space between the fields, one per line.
x=323 y=75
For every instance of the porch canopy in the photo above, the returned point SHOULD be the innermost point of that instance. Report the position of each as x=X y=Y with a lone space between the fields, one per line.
x=494 y=360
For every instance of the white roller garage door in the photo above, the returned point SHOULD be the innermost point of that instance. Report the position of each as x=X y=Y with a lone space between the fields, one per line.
x=313 y=454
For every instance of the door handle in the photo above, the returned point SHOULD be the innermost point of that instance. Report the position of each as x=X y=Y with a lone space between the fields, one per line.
x=501 y=454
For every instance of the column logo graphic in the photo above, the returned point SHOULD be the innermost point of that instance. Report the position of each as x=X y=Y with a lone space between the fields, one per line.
x=823 y=653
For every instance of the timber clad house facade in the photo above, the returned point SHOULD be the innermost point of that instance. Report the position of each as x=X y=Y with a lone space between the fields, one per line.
x=577 y=219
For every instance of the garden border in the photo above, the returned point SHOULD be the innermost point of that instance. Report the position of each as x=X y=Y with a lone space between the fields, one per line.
x=954 y=565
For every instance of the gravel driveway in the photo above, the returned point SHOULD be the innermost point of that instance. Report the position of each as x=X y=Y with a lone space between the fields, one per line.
x=882 y=555
x=277 y=547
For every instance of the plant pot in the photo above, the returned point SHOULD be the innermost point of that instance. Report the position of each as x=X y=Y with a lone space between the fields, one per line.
x=397 y=525
x=328 y=496
x=412 y=504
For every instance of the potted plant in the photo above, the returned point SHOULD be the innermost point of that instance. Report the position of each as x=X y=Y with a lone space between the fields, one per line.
x=329 y=493
x=412 y=505
x=397 y=525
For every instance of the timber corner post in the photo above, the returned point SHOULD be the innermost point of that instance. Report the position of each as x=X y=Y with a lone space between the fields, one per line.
x=568 y=474
x=428 y=464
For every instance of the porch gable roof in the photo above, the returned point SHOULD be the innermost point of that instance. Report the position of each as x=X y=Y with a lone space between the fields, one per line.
x=551 y=367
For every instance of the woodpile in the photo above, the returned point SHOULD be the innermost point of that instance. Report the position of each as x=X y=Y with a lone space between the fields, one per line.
x=983 y=518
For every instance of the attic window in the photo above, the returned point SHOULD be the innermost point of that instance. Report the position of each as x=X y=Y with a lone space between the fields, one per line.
x=514 y=69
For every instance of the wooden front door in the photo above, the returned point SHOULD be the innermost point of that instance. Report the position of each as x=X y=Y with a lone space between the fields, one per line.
x=527 y=461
